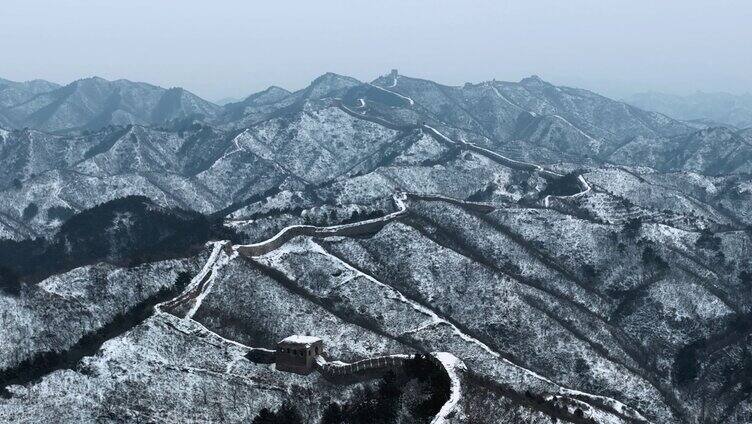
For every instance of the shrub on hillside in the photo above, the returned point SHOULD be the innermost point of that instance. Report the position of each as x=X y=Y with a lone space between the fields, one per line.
x=632 y=227
x=30 y=211
x=286 y=414
x=651 y=258
x=708 y=240
x=566 y=185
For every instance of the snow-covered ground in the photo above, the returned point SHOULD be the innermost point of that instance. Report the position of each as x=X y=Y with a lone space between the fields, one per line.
x=591 y=302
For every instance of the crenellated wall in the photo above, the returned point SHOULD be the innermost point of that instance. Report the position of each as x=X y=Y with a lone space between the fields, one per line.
x=375 y=120
x=287 y=234
x=476 y=206
x=368 y=226
x=382 y=362
x=511 y=163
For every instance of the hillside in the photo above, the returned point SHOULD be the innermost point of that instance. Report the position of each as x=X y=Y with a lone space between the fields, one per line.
x=557 y=256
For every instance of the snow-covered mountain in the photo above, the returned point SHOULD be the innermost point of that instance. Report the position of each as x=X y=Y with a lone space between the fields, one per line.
x=210 y=159
x=13 y=93
x=92 y=103
x=560 y=255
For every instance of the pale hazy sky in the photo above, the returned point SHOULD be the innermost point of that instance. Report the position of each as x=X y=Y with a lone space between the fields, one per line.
x=219 y=48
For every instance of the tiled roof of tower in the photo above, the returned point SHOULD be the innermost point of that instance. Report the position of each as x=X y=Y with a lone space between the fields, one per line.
x=304 y=340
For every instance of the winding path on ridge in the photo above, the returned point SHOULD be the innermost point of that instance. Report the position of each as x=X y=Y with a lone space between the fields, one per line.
x=223 y=252
x=585 y=187
x=202 y=283
x=515 y=164
x=191 y=298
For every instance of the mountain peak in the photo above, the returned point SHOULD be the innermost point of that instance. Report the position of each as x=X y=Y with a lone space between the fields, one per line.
x=274 y=89
x=93 y=78
x=270 y=94
x=93 y=81
x=330 y=84
x=331 y=77
x=533 y=80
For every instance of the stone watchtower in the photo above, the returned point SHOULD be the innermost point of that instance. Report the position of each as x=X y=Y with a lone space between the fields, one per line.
x=298 y=354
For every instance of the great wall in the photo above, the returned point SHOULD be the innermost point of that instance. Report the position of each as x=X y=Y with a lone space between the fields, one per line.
x=223 y=252
x=201 y=283
x=560 y=200
x=368 y=226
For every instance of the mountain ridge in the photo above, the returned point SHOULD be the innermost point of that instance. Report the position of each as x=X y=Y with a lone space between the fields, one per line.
x=719 y=107
x=91 y=103
x=514 y=226
x=184 y=161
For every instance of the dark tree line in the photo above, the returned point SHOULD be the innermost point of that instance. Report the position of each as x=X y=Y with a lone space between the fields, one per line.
x=377 y=406
x=43 y=363
x=386 y=402
x=689 y=359
x=383 y=404
x=127 y=232
x=286 y=414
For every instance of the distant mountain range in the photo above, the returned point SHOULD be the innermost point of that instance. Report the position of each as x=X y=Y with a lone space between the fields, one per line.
x=561 y=123
x=92 y=103
x=226 y=100
x=94 y=140
x=712 y=109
